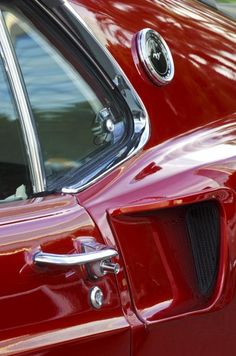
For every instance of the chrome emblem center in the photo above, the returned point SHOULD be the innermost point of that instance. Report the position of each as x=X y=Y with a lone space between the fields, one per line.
x=155 y=56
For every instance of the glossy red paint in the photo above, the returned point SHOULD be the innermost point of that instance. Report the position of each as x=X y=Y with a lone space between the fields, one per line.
x=202 y=43
x=189 y=158
x=156 y=260
x=45 y=310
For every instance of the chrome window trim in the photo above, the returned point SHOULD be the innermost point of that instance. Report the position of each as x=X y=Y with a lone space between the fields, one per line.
x=141 y=124
x=18 y=88
x=62 y=13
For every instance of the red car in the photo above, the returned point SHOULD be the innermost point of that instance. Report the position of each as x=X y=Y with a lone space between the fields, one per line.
x=118 y=178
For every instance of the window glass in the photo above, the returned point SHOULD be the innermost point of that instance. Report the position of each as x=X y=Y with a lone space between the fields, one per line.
x=14 y=175
x=77 y=120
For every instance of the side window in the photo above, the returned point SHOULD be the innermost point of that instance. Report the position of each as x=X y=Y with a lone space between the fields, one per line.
x=14 y=174
x=77 y=120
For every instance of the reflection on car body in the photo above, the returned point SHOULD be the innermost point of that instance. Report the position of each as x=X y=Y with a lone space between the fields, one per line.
x=117 y=171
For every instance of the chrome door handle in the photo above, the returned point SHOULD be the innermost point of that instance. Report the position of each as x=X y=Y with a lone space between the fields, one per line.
x=96 y=256
x=75 y=259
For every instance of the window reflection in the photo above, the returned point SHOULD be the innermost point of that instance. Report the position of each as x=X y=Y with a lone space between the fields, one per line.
x=71 y=117
x=14 y=175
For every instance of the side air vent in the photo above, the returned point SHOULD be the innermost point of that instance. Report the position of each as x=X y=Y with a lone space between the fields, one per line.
x=203 y=225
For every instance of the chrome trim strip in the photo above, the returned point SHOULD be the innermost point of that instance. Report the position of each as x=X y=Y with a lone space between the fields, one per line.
x=141 y=124
x=60 y=2
x=26 y=120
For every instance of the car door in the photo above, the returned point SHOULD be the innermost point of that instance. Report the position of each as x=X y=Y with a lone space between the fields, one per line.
x=48 y=310
x=49 y=302
x=172 y=224
x=171 y=209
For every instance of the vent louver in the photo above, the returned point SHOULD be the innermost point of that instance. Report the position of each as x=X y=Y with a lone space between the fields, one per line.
x=203 y=225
